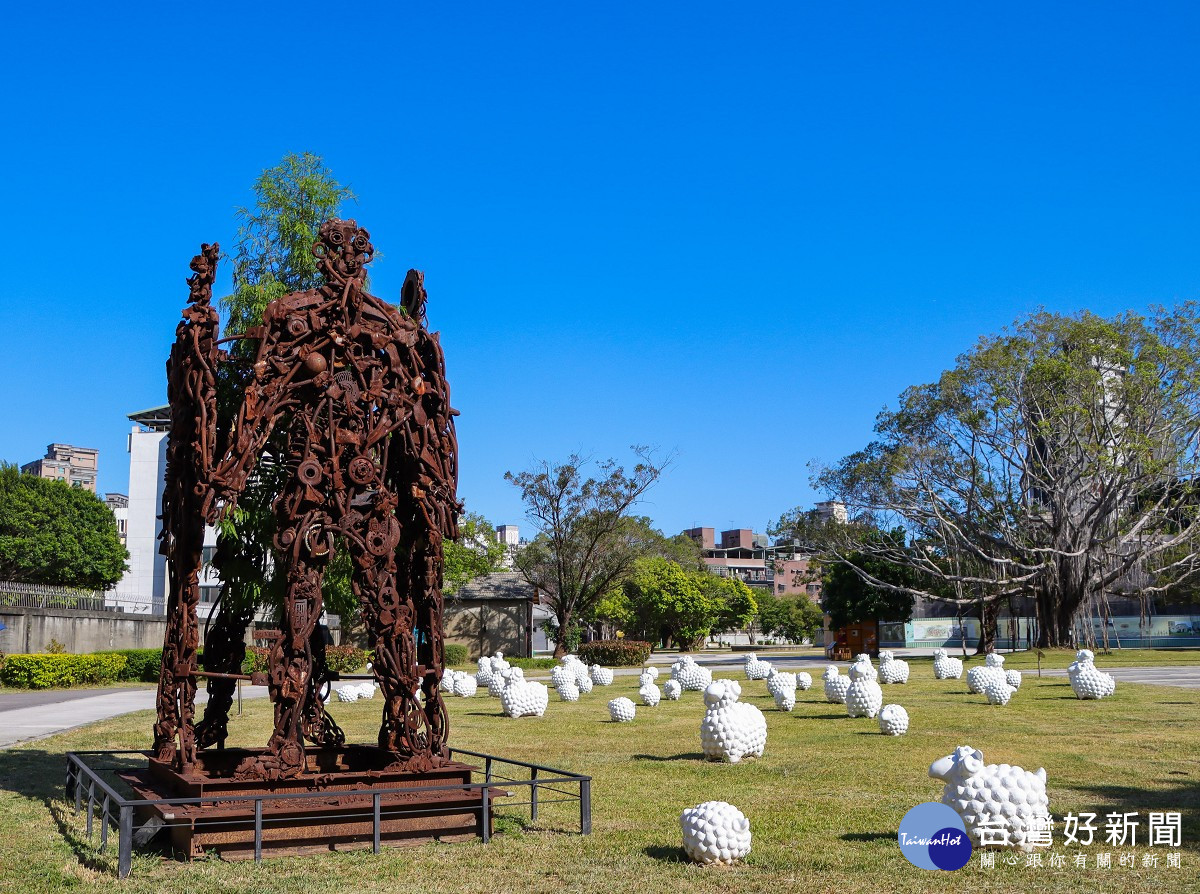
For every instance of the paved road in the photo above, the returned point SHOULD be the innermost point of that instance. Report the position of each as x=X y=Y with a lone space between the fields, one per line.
x=25 y=716
x=1187 y=677
x=12 y=700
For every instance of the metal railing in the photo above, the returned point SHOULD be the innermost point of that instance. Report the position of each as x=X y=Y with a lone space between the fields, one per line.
x=45 y=596
x=86 y=786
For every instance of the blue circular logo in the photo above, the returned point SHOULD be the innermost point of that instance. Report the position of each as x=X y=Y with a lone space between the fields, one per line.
x=932 y=836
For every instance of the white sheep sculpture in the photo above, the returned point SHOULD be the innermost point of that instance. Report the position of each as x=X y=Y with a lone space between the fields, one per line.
x=1086 y=680
x=835 y=685
x=691 y=676
x=864 y=698
x=892 y=669
x=622 y=710
x=946 y=666
x=755 y=669
x=893 y=720
x=803 y=680
x=672 y=690
x=999 y=804
x=715 y=832
x=523 y=699
x=730 y=729
x=782 y=687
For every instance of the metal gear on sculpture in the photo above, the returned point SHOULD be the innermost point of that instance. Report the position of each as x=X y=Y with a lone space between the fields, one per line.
x=355 y=390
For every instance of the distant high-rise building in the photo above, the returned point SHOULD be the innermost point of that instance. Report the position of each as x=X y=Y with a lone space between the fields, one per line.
x=119 y=504
x=832 y=510
x=76 y=466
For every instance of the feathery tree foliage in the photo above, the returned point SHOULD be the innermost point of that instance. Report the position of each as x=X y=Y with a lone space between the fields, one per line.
x=1057 y=460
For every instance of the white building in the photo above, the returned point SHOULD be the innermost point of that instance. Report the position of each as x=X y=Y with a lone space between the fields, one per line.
x=143 y=589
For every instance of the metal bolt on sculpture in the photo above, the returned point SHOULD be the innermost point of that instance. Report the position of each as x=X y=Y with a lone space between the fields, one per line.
x=356 y=389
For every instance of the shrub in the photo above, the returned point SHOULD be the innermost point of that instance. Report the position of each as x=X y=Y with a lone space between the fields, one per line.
x=141 y=665
x=345 y=659
x=257 y=660
x=456 y=653
x=339 y=659
x=615 y=652
x=532 y=663
x=52 y=671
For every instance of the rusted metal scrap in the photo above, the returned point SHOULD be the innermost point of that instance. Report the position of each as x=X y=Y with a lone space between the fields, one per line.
x=357 y=390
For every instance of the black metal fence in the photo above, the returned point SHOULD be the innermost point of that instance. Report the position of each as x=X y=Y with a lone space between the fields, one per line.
x=87 y=786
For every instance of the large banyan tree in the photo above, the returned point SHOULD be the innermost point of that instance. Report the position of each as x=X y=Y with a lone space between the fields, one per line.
x=1056 y=461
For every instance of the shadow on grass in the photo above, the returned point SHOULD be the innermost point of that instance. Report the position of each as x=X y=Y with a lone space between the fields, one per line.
x=41 y=776
x=1181 y=796
x=869 y=836
x=666 y=854
x=689 y=756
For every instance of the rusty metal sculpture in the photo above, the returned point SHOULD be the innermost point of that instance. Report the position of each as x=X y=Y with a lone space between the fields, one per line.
x=355 y=390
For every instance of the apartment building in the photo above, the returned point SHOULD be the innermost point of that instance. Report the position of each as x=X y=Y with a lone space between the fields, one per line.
x=75 y=465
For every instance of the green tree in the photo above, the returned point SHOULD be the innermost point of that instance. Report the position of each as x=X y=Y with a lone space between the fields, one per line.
x=791 y=618
x=848 y=598
x=1055 y=460
x=477 y=552
x=587 y=540
x=272 y=256
x=52 y=533
x=662 y=598
x=735 y=603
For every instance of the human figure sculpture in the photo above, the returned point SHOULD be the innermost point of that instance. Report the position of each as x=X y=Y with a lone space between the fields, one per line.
x=356 y=389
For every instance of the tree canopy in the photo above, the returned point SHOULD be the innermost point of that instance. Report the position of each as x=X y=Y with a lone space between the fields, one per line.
x=272 y=256
x=794 y=618
x=587 y=539
x=1057 y=460
x=53 y=533
x=476 y=552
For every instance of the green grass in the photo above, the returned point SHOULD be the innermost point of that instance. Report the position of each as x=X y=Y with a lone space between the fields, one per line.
x=824 y=802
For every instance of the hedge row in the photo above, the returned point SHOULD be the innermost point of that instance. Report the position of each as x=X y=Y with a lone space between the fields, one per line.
x=615 y=652
x=141 y=665
x=339 y=659
x=51 y=671
x=456 y=653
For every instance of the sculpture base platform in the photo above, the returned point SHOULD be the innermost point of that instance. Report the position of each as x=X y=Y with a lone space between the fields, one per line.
x=346 y=799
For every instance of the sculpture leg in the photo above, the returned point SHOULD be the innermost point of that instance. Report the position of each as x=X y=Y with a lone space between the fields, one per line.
x=174 y=738
x=225 y=647
x=389 y=620
x=291 y=658
x=425 y=585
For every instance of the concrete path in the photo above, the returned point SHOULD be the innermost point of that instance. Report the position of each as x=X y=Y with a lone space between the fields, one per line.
x=25 y=716
x=1187 y=677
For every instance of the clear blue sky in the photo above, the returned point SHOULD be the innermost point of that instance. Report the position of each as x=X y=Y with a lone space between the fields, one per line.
x=732 y=230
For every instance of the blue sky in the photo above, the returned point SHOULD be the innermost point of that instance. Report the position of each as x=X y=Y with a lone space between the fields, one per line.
x=733 y=231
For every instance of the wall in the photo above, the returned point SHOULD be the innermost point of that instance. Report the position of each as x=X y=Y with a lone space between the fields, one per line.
x=31 y=629
x=486 y=626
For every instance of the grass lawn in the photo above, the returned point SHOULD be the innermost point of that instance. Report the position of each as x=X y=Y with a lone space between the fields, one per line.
x=824 y=802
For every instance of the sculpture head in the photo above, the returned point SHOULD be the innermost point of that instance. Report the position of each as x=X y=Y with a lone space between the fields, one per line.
x=343 y=249
x=939 y=654
x=1085 y=655
x=830 y=672
x=964 y=762
x=721 y=693
x=994 y=659
x=885 y=656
